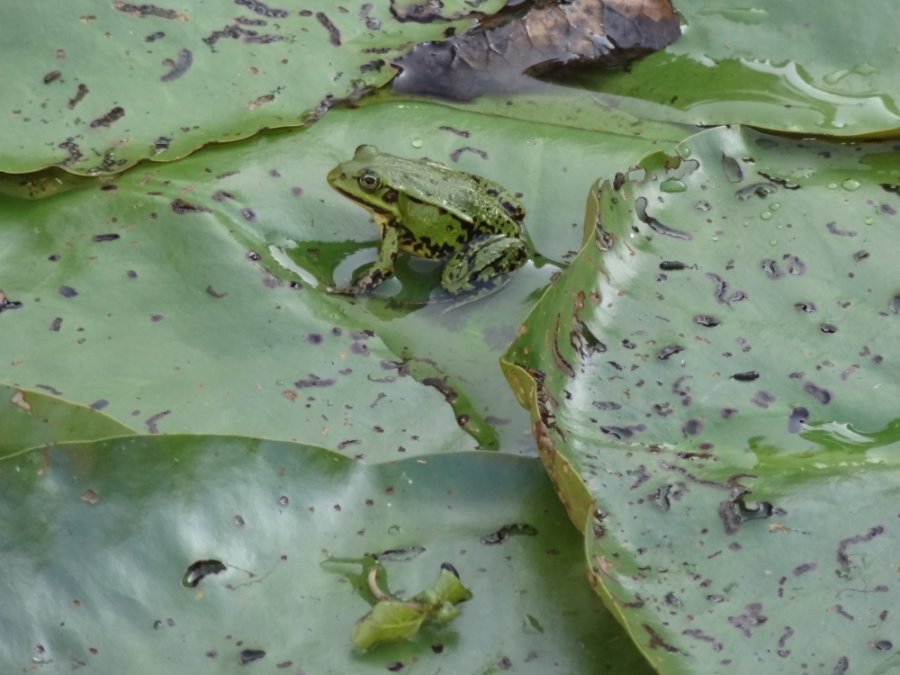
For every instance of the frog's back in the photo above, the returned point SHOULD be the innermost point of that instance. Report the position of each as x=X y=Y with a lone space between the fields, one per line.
x=470 y=198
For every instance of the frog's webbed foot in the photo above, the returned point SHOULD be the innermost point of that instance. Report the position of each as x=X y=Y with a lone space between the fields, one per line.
x=366 y=283
x=483 y=264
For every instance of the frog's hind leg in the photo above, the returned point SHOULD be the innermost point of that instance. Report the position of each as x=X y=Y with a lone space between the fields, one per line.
x=483 y=264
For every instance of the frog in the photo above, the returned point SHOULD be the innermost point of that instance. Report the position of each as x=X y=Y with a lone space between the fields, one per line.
x=429 y=210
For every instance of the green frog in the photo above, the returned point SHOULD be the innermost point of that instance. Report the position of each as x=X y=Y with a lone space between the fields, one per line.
x=432 y=211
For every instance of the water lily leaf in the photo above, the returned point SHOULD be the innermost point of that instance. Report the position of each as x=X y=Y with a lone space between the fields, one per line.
x=121 y=82
x=713 y=383
x=113 y=526
x=778 y=65
x=190 y=295
x=31 y=419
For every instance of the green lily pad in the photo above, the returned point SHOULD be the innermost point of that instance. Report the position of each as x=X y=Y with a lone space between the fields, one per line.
x=121 y=82
x=264 y=528
x=785 y=66
x=31 y=419
x=713 y=383
x=190 y=295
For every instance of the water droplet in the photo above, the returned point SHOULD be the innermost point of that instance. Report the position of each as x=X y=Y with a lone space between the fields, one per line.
x=836 y=76
x=869 y=220
x=766 y=215
x=832 y=186
x=672 y=185
x=773 y=242
x=395 y=529
x=283 y=500
x=850 y=184
x=417 y=143
x=774 y=206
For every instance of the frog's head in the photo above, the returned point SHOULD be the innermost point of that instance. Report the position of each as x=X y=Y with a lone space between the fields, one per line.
x=364 y=179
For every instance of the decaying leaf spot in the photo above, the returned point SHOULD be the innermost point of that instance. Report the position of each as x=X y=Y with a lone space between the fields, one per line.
x=199 y=570
x=90 y=497
x=251 y=655
x=505 y=532
x=18 y=399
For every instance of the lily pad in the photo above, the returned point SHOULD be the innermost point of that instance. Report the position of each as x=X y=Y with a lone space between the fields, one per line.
x=269 y=532
x=713 y=383
x=785 y=66
x=190 y=295
x=32 y=419
x=120 y=82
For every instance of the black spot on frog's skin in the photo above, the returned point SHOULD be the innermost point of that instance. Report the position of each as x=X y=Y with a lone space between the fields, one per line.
x=640 y=209
x=334 y=35
x=106 y=120
x=606 y=405
x=180 y=206
x=882 y=645
x=52 y=390
x=213 y=293
x=395 y=666
x=834 y=229
x=671 y=265
x=505 y=532
x=105 y=237
x=179 y=66
x=618 y=181
x=822 y=395
x=251 y=655
x=199 y=570
x=828 y=328
x=808 y=307
x=51 y=76
x=797 y=419
x=747 y=376
x=67 y=292
x=80 y=92
x=153 y=37
x=657 y=642
x=890 y=187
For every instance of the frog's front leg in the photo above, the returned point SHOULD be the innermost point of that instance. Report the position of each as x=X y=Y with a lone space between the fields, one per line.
x=379 y=271
x=483 y=263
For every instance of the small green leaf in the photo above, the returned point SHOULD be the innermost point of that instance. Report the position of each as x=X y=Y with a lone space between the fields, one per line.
x=448 y=589
x=388 y=621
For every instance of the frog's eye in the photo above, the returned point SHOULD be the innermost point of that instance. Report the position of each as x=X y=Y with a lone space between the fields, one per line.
x=369 y=181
